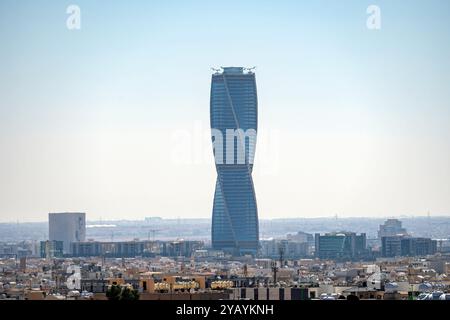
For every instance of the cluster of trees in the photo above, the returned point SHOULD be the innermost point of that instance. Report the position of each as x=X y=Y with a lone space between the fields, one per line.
x=118 y=292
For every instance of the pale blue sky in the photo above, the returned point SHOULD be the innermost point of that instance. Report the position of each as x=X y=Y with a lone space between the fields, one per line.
x=86 y=117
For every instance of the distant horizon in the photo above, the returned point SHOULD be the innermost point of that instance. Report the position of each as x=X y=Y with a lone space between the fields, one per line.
x=260 y=219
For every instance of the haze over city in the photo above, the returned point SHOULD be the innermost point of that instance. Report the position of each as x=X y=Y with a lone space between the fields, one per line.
x=351 y=122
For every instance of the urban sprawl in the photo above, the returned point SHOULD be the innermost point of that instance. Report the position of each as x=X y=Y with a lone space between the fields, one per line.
x=298 y=266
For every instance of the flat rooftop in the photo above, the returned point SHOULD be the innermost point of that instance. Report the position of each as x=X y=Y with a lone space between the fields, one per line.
x=233 y=70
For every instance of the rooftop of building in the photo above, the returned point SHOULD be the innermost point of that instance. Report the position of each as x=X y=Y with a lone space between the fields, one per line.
x=234 y=70
x=66 y=213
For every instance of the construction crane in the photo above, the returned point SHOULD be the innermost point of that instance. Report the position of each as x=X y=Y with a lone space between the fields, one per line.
x=153 y=232
x=245 y=270
x=281 y=252
x=274 y=270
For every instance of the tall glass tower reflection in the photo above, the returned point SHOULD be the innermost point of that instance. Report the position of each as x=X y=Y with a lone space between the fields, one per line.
x=234 y=123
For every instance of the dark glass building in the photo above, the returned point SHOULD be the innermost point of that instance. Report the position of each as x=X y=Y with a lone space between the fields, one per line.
x=52 y=249
x=397 y=246
x=340 y=246
x=234 y=122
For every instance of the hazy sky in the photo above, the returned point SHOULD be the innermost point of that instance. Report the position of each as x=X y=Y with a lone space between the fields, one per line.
x=113 y=119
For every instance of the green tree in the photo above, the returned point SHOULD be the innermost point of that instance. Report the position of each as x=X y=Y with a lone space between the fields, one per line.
x=129 y=294
x=126 y=293
x=114 y=292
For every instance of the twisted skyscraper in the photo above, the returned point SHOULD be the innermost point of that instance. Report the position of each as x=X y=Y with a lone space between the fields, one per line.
x=234 y=122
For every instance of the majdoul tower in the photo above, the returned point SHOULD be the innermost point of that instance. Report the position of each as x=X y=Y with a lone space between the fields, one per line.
x=234 y=123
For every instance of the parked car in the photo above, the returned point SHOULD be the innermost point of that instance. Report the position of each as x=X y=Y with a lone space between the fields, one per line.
x=445 y=296
x=422 y=296
x=432 y=296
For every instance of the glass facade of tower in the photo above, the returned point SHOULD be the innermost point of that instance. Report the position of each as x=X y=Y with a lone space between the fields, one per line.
x=234 y=109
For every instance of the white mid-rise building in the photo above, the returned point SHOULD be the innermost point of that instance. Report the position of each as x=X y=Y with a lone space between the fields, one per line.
x=67 y=227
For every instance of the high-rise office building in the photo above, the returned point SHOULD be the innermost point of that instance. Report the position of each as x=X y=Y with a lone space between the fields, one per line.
x=67 y=227
x=391 y=228
x=407 y=246
x=234 y=122
x=287 y=249
x=340 y=245
x=52 y=249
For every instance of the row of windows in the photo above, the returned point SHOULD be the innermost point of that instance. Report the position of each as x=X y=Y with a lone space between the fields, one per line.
x=235 y=215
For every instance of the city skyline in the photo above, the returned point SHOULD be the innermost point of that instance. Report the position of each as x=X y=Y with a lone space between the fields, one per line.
x=194 y=229
x=354 y=122
x=336 y=217
x=224 y=158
